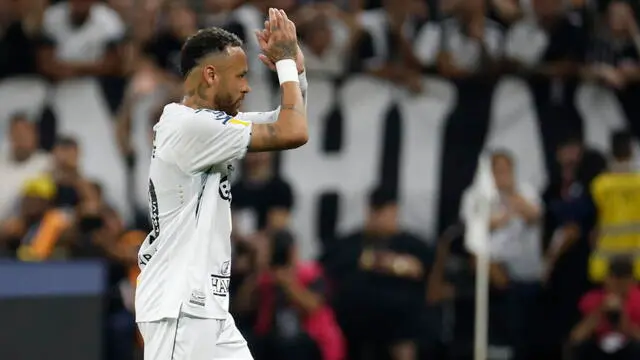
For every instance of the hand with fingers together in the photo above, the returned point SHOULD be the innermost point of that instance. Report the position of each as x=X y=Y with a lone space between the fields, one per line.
x=278 y=41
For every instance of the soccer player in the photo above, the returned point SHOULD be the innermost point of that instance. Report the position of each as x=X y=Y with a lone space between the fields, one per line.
x=182 y=297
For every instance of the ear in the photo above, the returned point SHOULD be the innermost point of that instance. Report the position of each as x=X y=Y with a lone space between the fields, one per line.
x=210 y=75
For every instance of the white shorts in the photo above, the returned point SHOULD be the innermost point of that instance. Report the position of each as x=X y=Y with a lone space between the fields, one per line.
x=191 y=338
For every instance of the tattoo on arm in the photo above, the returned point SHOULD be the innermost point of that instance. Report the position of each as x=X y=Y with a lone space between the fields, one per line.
x=293 y=107
x=273 y=133
x=264 y=137
x=285 y=49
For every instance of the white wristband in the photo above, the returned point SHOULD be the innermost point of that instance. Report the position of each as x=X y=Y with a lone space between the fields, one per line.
x=304 y=84
x=287 y=71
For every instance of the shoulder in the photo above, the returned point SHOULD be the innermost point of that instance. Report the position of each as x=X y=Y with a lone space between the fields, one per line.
x=634 y=295
x=182 y=120
x=493 y=29
x=107 y=18
x=211 y=115
x=42 y=160
x=56 y=11
x=54 y=16
x=187 y=125
x=599 y=182
x=372 y=16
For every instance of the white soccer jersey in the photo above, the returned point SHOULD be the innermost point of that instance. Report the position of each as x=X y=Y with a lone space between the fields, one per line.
x=185 y=261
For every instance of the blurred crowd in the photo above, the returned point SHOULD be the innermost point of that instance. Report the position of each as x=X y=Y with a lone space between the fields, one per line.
x=562 y=272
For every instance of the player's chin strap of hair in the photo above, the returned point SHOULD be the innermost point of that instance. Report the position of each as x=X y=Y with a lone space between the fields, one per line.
x=287 y=71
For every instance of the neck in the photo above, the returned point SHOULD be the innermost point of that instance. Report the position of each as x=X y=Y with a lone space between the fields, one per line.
x=196 y=102
x=196 y=95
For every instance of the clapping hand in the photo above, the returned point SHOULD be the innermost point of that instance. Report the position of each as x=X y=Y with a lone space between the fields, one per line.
x=278 y=40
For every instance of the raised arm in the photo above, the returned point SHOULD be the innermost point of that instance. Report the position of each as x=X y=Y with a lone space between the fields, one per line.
x=269 y=117
x=290 y=129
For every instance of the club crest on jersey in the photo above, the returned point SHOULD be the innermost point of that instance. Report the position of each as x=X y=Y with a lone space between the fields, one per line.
x=225 y=188
x=225 y=268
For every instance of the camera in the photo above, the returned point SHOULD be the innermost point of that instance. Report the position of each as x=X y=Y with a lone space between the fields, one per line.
x=281 y=245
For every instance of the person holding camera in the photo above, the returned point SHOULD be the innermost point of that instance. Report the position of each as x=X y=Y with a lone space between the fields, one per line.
x=610 y=326
x=293 y=321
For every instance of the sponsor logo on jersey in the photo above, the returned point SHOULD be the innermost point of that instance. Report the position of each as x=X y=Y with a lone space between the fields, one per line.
x=154 y=213
x=145 y=257
x=197 y=298
x=225 y=188
x=220 y=284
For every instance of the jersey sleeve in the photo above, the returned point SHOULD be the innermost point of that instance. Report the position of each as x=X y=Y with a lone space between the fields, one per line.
x=209 y=138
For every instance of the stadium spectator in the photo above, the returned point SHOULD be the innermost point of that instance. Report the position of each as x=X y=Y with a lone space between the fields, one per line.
x=66 y=172
x=80 y=38
x=516 y=253
x=385 y=50
x=570 y=219
x=471 y=42
x=261 y=200
x=244 y=21
x=124 y=8
x=440 y=289
x=615 y=196
x=550 y=41
x=19 y=161
x=506 y=11
x=547 y=47
x=164 y=49
x=33 y=233
x=379 y=279
x=20 y=23
x=610 y=325
x=328 y=37
x=98 y=232
x=614 y=54
x=216 y=12
x=244 y=270
x=294 y=321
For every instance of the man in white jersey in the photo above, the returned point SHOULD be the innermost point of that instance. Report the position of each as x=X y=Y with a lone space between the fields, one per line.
x=182 y=297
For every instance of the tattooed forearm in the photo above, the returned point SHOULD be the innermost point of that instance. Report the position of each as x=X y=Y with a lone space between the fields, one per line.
x=264 y=137
x=298 y=109
x=273 y=133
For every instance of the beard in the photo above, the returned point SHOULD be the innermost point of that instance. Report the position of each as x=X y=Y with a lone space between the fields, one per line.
x=227 y=103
